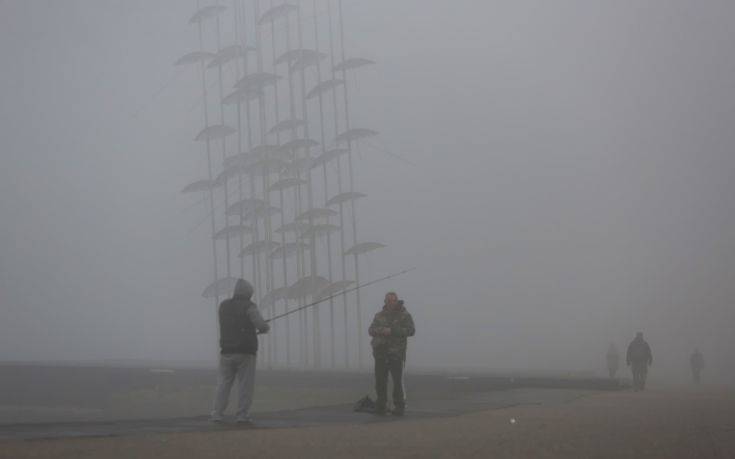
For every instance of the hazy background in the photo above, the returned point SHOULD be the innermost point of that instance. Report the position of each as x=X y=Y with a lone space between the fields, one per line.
x=568 y=179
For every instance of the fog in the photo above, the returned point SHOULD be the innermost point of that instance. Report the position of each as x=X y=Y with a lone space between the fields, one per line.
x=559 y=173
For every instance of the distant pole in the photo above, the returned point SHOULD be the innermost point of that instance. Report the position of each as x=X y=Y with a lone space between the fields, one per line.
x=280 y=176
x=360 y=331
x=342 y=247
x=223 y=140
x=310 y=194
x=209 y=158
x=265 y=177
x=292 y=116
x=240 y=195
x=326 y=185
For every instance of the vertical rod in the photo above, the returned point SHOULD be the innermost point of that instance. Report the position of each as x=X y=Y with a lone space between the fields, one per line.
x=276 y=111
x=309 y=189
x=342 y=247
x=209 y=159
x=360 y=331
x=326 y=187
x=223 y=141
x=238 y=40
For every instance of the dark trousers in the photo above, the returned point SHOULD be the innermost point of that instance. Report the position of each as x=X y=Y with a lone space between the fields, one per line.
x=385 y=365
x=640 y=371
x=696 y=375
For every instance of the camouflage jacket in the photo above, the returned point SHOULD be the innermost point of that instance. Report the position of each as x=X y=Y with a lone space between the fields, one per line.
x=401 y=327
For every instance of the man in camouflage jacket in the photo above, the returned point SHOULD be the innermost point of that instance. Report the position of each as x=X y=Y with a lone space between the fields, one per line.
x=389 y=330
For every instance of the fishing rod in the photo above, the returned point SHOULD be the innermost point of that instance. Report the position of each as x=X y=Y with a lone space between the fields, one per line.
x=390 y=276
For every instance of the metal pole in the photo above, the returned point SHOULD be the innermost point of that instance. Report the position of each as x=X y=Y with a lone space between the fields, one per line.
x=292 y=115
x=276 y=110
x=342 y=247
x=223 y=141
x=309 y=190
x=209 y=158
x=265 y=178
x=238 y=40
x=360 y=331
x=326 y=185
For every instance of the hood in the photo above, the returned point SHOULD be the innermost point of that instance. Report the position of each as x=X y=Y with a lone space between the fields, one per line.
x=400 y=308
x=243 y=289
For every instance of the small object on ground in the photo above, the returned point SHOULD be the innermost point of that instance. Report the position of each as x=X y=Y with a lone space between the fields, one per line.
x=365 y=405
x=512 y=420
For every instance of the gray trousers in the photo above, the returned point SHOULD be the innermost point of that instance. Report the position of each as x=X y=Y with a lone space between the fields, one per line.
x=231 y=366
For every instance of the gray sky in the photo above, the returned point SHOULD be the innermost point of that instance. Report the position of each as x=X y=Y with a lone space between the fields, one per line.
x=568 y=179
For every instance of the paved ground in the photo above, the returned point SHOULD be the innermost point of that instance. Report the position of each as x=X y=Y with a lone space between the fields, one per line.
x=451 y=405
x=63 y=394
x=658 y=423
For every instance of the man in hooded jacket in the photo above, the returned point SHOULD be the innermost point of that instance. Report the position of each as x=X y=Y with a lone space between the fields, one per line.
x=389 y=331
x=239 y=324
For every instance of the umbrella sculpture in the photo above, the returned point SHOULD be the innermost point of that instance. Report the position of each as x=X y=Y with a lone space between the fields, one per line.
x=273 y=154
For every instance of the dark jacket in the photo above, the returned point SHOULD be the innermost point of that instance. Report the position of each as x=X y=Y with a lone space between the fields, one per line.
x=240 y=321
x=697 y=360
x=401 y=327
x=639 y=353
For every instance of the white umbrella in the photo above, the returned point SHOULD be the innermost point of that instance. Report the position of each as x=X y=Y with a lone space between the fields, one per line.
x=195 y=58
x=265 y=151
x=324 y=86
x=286 y=125
x=286 y=183
x=233 y=231
x=220 y=287
x=206 y=13
x=241 y=95
x=214 y=132
x=289 y=249
x=352 y=63
x=274 y=295
x=277 y=12
x=306 y=286
x=296 y=55
x=316 y=213
x=226 y=175
x=296 y=144
x=306 y=60
x=355 y=134
x=229 y=53
x=345 y=197
x=199 y=185
x=257 y=81
x=239 y=161
x=244 y=206
x=261 y=212
x=293 y=227
x=328 y=156
x=317 y=230
x=363 y=247
x=265 y=166
x=298 y=165
x=257 y=247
